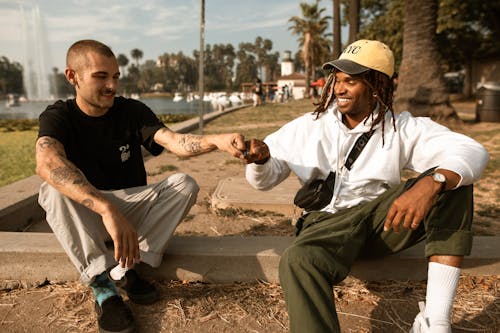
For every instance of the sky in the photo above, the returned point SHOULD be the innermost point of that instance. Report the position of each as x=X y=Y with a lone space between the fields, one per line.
x=153 y=26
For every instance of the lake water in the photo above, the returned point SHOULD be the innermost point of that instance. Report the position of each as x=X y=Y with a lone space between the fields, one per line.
x=159 y=105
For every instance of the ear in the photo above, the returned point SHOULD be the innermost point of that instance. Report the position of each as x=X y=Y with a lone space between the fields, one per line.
x=70 y=76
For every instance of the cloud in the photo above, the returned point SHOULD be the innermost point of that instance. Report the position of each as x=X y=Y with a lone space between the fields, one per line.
x=11 y=25
x=154 y=26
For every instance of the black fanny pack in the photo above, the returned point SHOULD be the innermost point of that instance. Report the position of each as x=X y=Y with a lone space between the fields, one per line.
x=318 y=193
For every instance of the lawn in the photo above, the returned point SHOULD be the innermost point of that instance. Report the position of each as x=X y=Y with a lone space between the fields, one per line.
x=17 y=151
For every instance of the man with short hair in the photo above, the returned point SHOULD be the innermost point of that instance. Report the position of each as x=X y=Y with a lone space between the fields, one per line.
x=364 y=209
x=89 y=153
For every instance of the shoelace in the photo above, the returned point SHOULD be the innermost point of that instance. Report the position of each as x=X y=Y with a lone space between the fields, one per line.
x=421 y=324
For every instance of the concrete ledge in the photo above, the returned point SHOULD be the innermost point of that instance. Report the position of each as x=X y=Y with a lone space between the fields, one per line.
x=35 y=257
x=19 y=204
x=236 y=192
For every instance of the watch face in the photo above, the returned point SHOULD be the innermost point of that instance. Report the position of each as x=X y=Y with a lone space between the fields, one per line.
x=439 y=177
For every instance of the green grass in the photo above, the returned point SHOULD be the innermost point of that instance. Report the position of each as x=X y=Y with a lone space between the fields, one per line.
x=17 y=151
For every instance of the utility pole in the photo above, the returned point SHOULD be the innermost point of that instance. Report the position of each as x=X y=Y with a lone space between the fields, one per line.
x=201 y=65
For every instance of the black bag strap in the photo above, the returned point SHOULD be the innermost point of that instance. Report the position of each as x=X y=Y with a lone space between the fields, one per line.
x=357 y=149
x=330 y=181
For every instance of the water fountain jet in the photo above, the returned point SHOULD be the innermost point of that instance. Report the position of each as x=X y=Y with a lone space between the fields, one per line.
x=36 y=54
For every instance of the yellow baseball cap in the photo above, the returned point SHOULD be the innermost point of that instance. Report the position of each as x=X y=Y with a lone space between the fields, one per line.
x=363 y=55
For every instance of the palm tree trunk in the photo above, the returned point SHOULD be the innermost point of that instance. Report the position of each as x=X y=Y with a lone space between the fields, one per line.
x=307 y=61
x=337 y=42
x=353 y=20
x=421 y=88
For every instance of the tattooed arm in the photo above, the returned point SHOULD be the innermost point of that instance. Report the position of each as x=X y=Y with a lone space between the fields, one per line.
x=53 y=166
x=191 y=145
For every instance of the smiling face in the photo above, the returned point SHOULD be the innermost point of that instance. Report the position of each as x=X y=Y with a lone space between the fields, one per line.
x=353 y=98
x=95 y=77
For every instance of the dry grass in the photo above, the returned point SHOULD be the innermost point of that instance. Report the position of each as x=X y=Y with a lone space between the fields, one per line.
x=385 y=306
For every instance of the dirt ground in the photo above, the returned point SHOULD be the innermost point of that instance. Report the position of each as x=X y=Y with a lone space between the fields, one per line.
x=386 y=306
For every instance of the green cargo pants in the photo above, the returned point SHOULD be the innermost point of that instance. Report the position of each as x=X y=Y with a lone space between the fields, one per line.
x=327 y=245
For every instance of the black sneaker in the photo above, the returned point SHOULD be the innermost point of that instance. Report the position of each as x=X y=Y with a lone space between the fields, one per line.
x=114 y=316
x=138 y=290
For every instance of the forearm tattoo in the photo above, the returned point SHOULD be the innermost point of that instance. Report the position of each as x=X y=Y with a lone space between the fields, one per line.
x=89 y=203
x=68 y=173
x=47 y=142
x=191 y=143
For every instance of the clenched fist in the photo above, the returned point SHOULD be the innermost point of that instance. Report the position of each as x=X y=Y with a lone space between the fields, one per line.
x=256 y=152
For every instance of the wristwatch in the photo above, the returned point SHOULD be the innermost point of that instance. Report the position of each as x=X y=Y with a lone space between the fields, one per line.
x=439 y=178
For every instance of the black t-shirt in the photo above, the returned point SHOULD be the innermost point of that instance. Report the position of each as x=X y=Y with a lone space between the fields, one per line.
x=108 y=148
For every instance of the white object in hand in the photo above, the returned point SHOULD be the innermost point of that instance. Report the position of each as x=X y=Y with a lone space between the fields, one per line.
x=118 y=272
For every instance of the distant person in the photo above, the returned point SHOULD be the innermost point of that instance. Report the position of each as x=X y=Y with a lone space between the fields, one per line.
x=286 y=93
x=270 y=93
x=350 y=154
x=88 y=152
x=258 y=93
x=319 y=84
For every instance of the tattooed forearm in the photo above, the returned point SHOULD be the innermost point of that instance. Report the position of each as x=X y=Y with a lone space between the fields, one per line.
x=66 y=174
x=89 y=203
x=48 y=142
x=191 y=143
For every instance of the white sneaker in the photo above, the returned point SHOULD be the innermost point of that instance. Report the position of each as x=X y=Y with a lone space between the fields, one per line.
x=421 y=324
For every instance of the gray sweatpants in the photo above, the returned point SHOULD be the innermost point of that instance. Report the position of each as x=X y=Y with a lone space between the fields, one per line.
x=155 y=210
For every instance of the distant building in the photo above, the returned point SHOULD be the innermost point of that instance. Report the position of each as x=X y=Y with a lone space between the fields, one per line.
x=296 y=82
x=287 y=64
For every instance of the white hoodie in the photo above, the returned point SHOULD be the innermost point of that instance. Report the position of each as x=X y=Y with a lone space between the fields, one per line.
x=312 y=148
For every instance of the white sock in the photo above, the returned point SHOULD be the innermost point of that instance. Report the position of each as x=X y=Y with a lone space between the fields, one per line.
x=442 y=281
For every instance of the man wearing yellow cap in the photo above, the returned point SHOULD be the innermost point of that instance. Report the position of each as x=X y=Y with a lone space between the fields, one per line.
x=350 y=154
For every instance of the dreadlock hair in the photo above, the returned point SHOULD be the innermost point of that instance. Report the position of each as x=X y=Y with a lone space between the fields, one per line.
x=381 y=88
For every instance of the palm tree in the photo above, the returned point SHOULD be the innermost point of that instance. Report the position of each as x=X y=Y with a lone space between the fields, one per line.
x=261 y=50
x=353 y=20
x=337 y=42
x=136 y=55
x=421 y=89
x=310 y=28
x=122 y=62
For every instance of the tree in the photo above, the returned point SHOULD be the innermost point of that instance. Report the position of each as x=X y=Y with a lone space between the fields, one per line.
x=468 y=30
x=271 y=65
x=133 y=78
x=149 y=76
x=178 y=71
x=353 y=20
x=219 y=63
x=311 y=29
x=246 y=68
x=422 y=89
x=383 y=20
x=136 y=55
x=261 y=49
x=60 y=86
x=337 y=38
x=11 y=77
x=266 y=62
x=122 y=62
